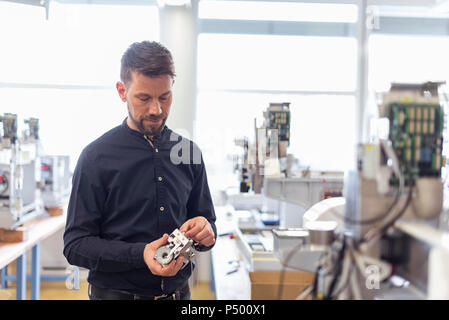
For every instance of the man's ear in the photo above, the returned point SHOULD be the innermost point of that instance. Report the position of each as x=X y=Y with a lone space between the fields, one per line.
x=121 y=89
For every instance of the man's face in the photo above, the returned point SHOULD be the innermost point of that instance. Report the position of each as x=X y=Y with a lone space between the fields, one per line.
x=149 y=100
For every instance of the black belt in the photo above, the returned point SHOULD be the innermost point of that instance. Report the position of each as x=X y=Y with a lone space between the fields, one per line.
x=111 y=294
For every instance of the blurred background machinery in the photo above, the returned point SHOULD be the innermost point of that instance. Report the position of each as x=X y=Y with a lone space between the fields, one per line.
x=385 y=238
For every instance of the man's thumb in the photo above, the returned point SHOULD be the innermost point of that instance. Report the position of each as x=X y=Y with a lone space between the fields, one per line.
x=161 y=241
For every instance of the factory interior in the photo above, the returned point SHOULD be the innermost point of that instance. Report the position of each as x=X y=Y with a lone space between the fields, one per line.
x=322 y=126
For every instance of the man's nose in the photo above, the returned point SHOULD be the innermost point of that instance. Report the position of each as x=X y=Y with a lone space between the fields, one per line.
x=155 y=107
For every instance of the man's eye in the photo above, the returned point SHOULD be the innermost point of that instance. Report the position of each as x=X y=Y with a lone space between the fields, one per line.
x=144 y=99
x=163 y=98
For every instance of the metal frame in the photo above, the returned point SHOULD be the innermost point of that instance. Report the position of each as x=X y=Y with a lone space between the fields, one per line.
x=388 y=25
x=21 y=278
x=21 y=283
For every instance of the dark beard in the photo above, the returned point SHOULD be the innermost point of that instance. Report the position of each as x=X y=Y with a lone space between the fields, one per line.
x=152 y=130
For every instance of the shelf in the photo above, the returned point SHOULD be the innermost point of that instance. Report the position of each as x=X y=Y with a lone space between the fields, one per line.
x=304 y=192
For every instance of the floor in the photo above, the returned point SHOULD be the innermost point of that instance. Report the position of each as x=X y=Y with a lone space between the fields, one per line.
x=58 y=291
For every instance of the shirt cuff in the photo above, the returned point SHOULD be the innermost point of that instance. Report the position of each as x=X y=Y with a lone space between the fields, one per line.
x=200 y=247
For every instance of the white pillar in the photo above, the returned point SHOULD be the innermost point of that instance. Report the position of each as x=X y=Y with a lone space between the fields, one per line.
x=362 y=69
x=178 y=32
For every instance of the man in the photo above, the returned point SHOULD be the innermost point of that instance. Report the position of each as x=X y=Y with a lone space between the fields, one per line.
x=128 y=192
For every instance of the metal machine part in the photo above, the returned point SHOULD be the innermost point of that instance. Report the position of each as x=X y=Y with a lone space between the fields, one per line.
x=267 y=155
x=178 y=245
x=256 y=248
x=277 y=119
x=416 y=123
x=293 y=248
x=241 y=165
x=33 y=132
x=19 y=199
x=55 y=176
x=9 y=121
x=304 y=191
x=321 y=232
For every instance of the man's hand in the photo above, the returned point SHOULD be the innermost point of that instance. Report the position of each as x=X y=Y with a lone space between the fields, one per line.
x=155 y=267
x=200 y=230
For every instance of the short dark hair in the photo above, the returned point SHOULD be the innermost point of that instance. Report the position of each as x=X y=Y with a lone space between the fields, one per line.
x=149 y=58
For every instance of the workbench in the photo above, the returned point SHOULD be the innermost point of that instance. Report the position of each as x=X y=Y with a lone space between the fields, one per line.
x=229 y=277
x=39 y=229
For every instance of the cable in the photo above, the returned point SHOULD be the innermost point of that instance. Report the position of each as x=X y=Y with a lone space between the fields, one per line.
x=396 y=169
x=305 y=293
x=379 y=230
x=348 y=276
x=338 y=270
x=375 y=219
x=284 y=269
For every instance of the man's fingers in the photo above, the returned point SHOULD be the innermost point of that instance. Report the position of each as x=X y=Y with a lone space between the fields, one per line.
x=197 y=227
x=160 y=242
x=179 y=263
x=208 y=241
x=172 y=268
x=201 y=235
x=185 y=227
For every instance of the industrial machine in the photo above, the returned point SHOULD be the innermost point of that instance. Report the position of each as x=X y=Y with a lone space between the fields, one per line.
x=19 y=160
x=383 y=239
x=267 y=156
x=267 y=169
x=56 y=180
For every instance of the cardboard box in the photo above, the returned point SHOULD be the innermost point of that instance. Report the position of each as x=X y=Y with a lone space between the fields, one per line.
x=265 y=285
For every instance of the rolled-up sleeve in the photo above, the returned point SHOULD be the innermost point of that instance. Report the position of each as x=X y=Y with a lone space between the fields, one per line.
x=83 y=245
x=200 y=201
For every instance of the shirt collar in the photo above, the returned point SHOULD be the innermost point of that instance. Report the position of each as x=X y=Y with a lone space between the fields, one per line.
x=135 y=132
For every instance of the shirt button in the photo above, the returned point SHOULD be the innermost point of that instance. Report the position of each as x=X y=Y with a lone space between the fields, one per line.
x=161 y=208
x=157 y=150
x=159 y=178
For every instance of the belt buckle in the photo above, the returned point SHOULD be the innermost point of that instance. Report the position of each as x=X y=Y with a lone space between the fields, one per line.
x=160 y=297
x=173 y=295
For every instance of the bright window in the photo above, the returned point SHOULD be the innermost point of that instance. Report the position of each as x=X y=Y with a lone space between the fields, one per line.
x=73 y=60
x=407 y=59
x=277 y=10
x=68 y=119
x=239 y=75
x=262 y=62
x=79 y=44
x=322 y=130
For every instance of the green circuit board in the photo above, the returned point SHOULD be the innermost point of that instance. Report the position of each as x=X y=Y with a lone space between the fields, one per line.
x=416 y=132
x=280 y=120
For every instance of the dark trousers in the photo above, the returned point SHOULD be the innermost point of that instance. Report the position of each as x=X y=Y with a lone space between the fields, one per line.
x=95 y=293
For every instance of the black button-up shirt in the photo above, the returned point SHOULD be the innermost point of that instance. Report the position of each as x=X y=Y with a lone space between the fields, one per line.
x=126 y=194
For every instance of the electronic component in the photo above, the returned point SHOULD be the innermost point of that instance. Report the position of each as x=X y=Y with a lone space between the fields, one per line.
x=277 y=117
x=416 y=130
x=178 y=245
x=33 y=131
x=277 y=126
x=9 y=121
